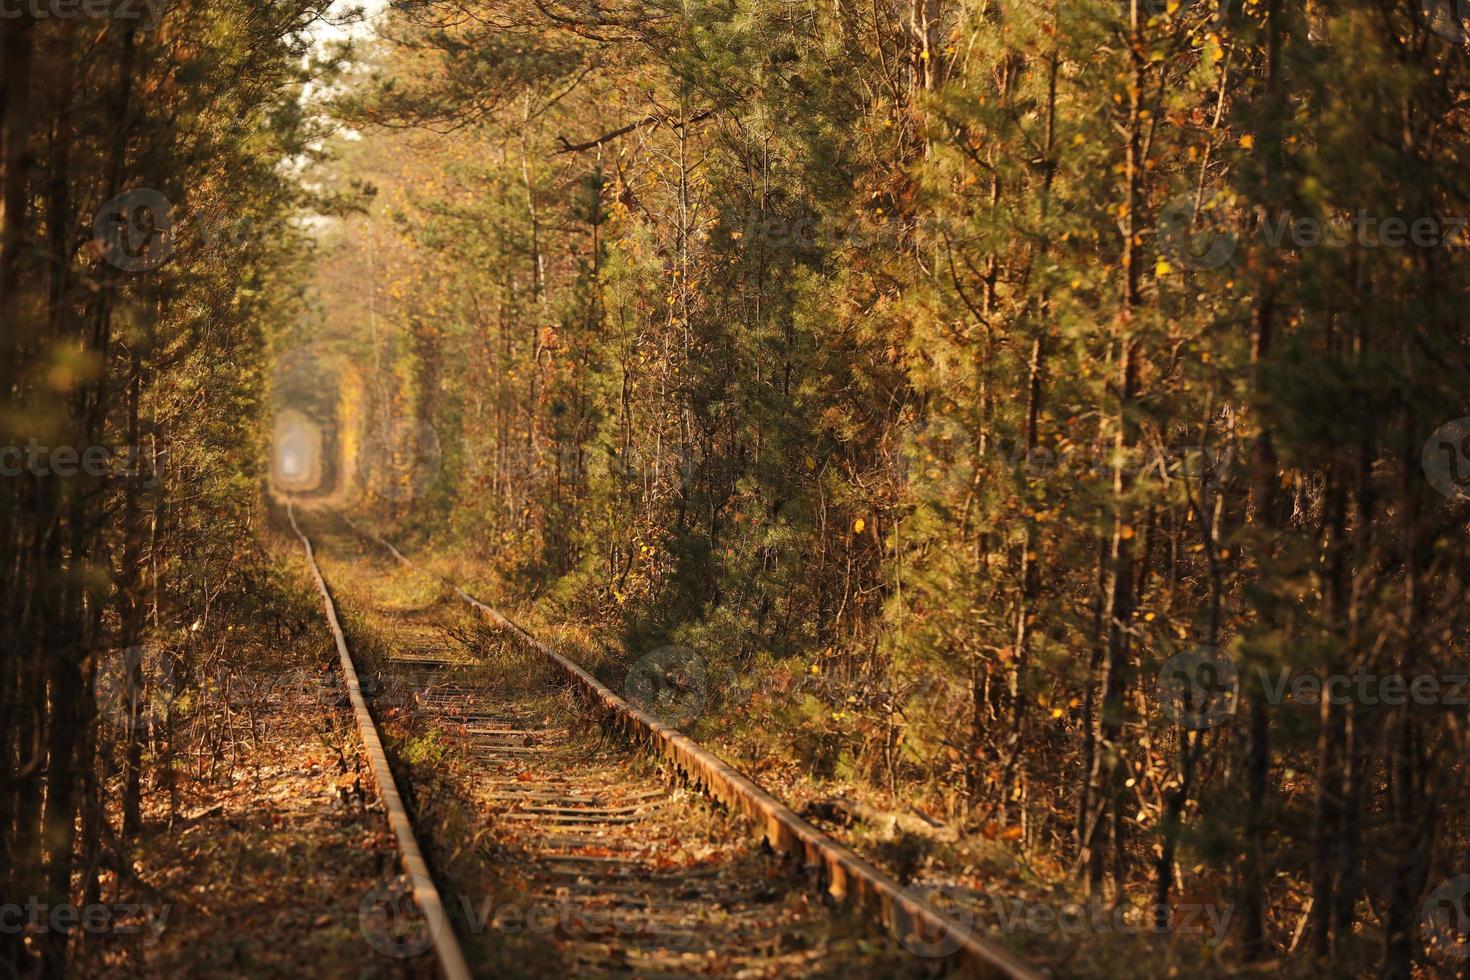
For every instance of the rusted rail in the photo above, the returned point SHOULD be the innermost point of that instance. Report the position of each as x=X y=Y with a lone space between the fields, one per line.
x=425 y=895
x=849 y=878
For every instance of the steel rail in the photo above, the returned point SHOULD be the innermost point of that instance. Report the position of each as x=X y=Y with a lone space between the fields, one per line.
x=425 y=894
x=849 y=878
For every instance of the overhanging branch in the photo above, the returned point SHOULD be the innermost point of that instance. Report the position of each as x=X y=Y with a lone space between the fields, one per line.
x=569 y=147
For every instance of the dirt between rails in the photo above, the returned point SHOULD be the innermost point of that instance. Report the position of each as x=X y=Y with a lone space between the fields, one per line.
x=558 y=850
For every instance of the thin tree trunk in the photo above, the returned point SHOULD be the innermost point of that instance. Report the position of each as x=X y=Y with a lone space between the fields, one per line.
x=1265 y=508
x=1119 y=599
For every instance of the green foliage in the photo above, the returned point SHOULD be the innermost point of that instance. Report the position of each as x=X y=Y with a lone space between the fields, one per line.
x=864 y=339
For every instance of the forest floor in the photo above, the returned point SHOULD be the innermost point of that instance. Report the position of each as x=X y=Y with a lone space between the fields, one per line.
x=264 y=871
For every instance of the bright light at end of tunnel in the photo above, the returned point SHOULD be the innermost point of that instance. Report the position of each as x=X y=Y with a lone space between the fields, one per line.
x=292 y=463
x=296 y=454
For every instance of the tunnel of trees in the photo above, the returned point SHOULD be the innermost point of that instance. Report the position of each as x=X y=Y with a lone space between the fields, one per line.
x=1016 y=402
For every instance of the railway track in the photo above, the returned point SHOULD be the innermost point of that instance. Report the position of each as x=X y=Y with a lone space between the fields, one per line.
x=617 y=872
